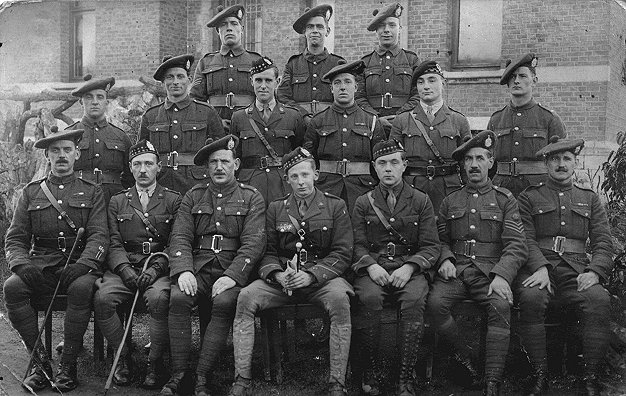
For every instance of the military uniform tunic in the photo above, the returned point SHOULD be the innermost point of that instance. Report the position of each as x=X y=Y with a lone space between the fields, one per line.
x=302 y=82
x=338 y=137
x=284 y=132
x=521 y=132
x=482 y=235
x=222 y=72
x=181 y=128
x=425 y=171
x=103 y=156
x=575 y=215
x=388 y=71
x=236 y=212
x=328 y=242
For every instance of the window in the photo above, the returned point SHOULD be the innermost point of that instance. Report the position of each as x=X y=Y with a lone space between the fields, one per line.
x=252 y=23
x=83 y=40
x=477 y=35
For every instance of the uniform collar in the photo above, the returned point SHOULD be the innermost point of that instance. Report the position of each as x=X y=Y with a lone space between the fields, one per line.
x=395 y=50
x=308 y=199
x=90 y=123
x=342 y=110
x=557 y=186
x=485 y=188
x=61 y=179
x=531 y=103
x=224 y=189
x=259 y=105
x=315 y=58
x=435 y=106
x=236 y=50
x=397 y=189
x=180 y=105
x=150 y=189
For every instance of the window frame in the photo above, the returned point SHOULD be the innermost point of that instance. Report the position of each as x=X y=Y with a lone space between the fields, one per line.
x=76 y=12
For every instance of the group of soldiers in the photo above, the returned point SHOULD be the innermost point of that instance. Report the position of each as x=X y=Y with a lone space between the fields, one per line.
x=347 y=185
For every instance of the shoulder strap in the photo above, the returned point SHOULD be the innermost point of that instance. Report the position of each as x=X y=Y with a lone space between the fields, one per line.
x=384 y=221
x=147 y=223
x=263 y=139
x=426 y=137
x=56 y=205
x=373 y=124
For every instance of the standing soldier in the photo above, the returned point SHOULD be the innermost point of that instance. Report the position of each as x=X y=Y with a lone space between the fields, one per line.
x=385 y=87
x=104 y=147
x=140 y=221
x=430 y=133
x=309 y=246
x=559 y=217
x=302 y=84
x=221 y=77
x=395 y=246
x=45 y=222
x=179 y=126
x=267 y=130
x=483 y=246
x=217 y=240
x=341 y=138
x=523 y=127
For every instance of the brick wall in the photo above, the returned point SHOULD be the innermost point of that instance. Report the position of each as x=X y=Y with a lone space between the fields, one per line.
x=280 y=41
x=173 y=27
x=616 y=104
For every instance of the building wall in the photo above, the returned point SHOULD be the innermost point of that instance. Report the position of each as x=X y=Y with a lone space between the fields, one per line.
x=616 y=104
x=173 y=27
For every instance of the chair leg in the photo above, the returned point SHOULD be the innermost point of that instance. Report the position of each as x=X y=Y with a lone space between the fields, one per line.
x=277 y=349
x=48 y=336
x=265 y=344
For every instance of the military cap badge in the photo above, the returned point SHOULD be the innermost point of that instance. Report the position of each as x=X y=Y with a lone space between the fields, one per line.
x=231 y=144
x=240 y=14
x=533 y=63
x=107 y=87
x=488 y=142
x=398 y=11
x=188 y=64
x=328 y=14
x=305 y=152
x=150 y=145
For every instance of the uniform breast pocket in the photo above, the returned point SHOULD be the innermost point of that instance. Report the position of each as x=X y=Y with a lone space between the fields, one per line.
x=457 y=223
x=321 y=231
x=282 y=141
x=410 y=227
x=250 y=143
x=504 y=139
x=194 y=136
x=242 y=80
x=373 y=226
x=124 y=224
x=215 y=78
x=164 y=224
x=402 y=80
x=79 y=209
x=202 y=218
x=534 y=140
x=414 y=143
x=235 y=217
x=83 y=146
x=580 y=221
x=373 y=79
x=42 y=216
x=301 y=86
x=114 y=159
x=160 y=137
x=329 y=143
x=358 y=143
x=448 y=139
x=491 y=223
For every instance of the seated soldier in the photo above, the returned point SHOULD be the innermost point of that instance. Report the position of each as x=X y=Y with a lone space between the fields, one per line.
x=309 y=246
x=140 y=221
x=45 y=223
x=559 y=217
x=483 y=246
x=395 y=245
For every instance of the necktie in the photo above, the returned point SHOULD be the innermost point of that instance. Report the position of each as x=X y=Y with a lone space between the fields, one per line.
x=391 y=200
x=302 y=207
x=429 y=113
x=144 y=199
x=266 y=112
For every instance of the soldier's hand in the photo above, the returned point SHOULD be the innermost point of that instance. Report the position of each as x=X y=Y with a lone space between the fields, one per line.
x=300 y=279
x=281 y=278
x=401 y=276
x=187 y=283
x=147 y=278
x=540 y=278
x=501 y=287
x=73 y=272
x=129 y=276
x=586 y=280
x=447 y=270
x=30 y=274
x=378 y=274
x=222 y=284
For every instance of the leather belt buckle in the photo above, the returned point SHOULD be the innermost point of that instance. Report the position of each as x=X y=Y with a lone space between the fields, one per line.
x=342 y=167
x=229 y=100
x=215 y=243
x=386 y=100
x=391 y=249
x=98 y=173
x=559 y=244
x=61 y=243
x=304 y=256
x=264 y=162
x=468 y=248
x=145 y=247
x=513 y=168
x=172 y=160
x=314 y=106
x=430 y=171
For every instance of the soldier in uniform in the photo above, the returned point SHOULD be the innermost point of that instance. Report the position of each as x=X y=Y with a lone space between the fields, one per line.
x=45 y=223
x=217 y=240
x=431 y=132
x=104 y=147
x=385 y=87
x=309 y=246
x=523 y=127
x=483 y=246
x=559 y=217
x=179 y=126
x=395 y=246
x=341 y=138
x=267 y=130
x=221 y=77
x=140 y=221
x=302 y=85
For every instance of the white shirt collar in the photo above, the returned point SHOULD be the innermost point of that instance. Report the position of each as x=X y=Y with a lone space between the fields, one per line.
x=150 y=189
x=436 y=106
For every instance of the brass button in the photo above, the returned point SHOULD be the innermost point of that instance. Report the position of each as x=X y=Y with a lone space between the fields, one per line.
x=562 y=223
x=219 y=195
x=472 y=227
x=175 y=137
x=217 y=223
x=473 y=210
x=230 y=79
x=175 y=121
x=97 y=140
x=61 y=187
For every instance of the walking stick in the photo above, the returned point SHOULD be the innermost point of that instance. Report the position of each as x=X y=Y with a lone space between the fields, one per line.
x=79 y=236
x=129 y=321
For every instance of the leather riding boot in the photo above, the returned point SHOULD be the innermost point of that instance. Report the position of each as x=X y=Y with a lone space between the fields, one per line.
x=156 y=374
x=539 y=384
x=40 y=376
x=410 y=337
x=471 y=378
x=173 y=385
x=369 y=339
x=121 y=376
x=66 y=378
x=241 y=387
x=492 y=388
x=201 y=387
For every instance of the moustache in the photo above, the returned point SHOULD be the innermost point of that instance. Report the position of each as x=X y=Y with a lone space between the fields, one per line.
x=561 y=169
x=62 y=162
